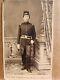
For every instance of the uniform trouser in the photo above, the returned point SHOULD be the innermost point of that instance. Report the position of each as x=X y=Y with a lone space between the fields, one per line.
x=27 y=52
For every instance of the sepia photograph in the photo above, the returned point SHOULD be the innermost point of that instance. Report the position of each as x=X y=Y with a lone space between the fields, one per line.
x=27 y=39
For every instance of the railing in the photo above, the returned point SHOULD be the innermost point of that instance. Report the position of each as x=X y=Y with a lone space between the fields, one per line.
x=10 y=47
x=47 y=22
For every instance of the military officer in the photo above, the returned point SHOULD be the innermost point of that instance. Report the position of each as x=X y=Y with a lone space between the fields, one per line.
x=26 y=38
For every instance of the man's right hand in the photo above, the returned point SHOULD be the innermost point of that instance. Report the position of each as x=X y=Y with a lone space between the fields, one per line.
x=18 y=46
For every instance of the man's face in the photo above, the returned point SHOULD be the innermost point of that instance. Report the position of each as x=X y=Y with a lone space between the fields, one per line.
x=26 y=18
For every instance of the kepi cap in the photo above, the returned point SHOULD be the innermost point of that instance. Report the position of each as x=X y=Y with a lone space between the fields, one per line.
x=26 y=13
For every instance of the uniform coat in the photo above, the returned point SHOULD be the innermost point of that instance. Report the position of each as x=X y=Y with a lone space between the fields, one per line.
x=28 y=29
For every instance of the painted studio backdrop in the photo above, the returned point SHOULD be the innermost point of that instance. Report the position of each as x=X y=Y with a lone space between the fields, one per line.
x=41 y=16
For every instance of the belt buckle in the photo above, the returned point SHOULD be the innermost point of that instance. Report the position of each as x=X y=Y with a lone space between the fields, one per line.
x=25 y=36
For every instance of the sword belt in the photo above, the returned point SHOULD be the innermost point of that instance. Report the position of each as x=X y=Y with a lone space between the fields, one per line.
x=25 y=37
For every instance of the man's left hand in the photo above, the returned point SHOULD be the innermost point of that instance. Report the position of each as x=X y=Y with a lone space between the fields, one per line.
x=32 y=41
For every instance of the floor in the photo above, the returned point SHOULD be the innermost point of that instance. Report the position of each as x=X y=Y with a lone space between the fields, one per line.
x=13 y=70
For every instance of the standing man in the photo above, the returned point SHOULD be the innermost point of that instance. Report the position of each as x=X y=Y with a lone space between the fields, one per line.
x=26 y=38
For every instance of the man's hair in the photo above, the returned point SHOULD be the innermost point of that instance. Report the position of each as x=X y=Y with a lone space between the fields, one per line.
x=26 y=13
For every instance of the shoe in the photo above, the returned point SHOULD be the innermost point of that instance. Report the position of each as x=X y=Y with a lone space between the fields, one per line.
x=29 y=70
x=23 y=68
